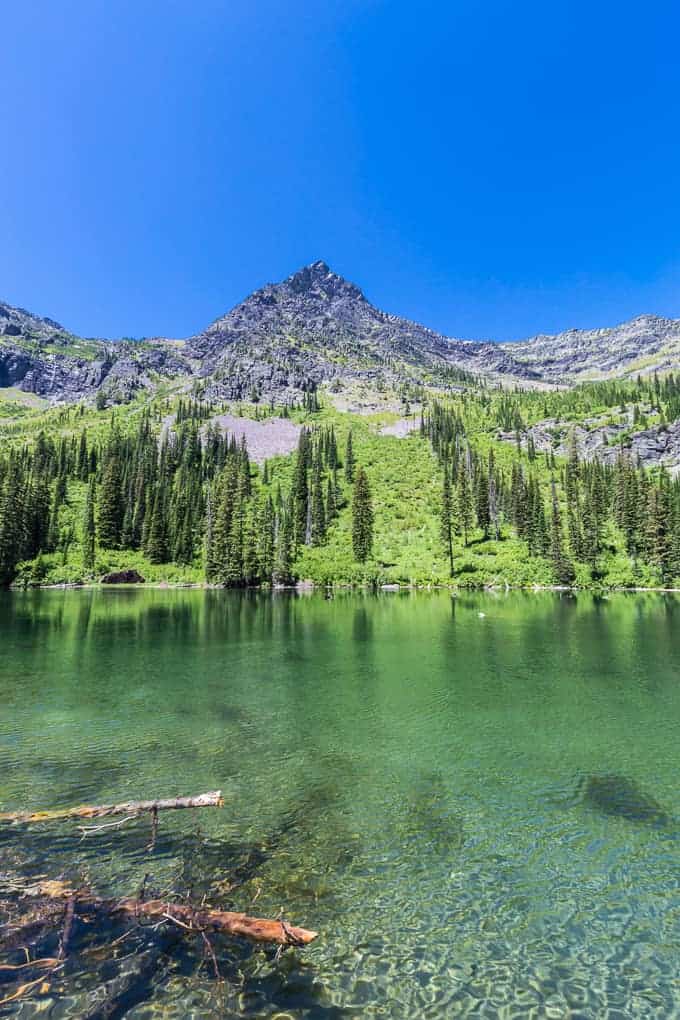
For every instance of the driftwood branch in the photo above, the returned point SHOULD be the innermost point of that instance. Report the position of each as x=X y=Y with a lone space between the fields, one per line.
x=132 y=808
x=196 y=920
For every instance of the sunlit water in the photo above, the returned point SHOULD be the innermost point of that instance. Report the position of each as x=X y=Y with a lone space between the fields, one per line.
x=401 y=773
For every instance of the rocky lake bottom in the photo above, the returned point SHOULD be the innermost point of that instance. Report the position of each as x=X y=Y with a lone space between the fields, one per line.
x=472 y=797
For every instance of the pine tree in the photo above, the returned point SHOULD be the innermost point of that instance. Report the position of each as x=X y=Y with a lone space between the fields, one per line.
x=157 y=545
x=331 y=506
x=332 y=450
x=318 y=511
x=265 y=539
x=349 y=459
x=250 y=559
x=482 y=502
x=89 y=529
x=11 y=523
x=283 y=559
x=562 y=567
x=657 y=533
x=111 y=508
x=446 y=519
x=300 y=492
x=209 y=541
x=83 y=464
x=465 y=502
x=494 y=516
x=362 y=517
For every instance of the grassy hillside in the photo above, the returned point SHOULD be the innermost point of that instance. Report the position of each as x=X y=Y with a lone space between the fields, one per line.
x=405 y=477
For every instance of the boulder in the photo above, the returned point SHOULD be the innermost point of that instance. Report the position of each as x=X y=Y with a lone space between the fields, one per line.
x=123 y=577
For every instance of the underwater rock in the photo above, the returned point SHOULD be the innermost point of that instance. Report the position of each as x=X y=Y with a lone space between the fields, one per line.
x=622 y=798
x=427 y=816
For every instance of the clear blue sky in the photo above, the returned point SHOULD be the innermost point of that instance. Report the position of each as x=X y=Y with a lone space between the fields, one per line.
x=490 y=169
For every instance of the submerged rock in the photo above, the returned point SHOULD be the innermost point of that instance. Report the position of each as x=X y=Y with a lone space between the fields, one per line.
x=123 y=577
x=622 y=798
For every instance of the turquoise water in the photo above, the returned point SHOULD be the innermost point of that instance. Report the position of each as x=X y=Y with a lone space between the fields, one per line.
x=403 y=773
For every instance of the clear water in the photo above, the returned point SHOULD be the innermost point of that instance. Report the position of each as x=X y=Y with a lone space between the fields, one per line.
x=401 y=773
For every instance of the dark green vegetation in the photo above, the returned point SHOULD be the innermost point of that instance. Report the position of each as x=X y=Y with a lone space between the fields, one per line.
x=158 y=486
x=399 y=772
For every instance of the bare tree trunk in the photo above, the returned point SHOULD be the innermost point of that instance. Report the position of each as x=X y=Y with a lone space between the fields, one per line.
x=191 y=919
x=132 y=807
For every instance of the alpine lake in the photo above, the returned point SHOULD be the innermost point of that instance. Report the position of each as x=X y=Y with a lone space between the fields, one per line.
x=473 y=798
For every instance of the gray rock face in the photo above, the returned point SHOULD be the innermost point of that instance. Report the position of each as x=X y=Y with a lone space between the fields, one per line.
x=18 y=322
x=314 y=327
x=657 y=446
x=269 y=438
x=40 y=356
x=644 y=344
x=14 y=365
x=283 y=340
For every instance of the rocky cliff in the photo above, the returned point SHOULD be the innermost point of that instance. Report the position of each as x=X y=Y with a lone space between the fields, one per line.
x=645 y=344
x=314 y=327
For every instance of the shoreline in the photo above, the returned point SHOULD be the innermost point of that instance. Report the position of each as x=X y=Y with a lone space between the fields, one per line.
x=309 y=587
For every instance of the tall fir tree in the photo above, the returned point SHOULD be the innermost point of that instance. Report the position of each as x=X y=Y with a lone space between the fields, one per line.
x=89 y=527
x=465 y=502
x=349 y=459
x=362 y=518
x=446 y=525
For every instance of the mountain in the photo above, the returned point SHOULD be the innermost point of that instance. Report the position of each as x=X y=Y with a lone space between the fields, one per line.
x=644 y=344
x=314 y=327
x=40 y=356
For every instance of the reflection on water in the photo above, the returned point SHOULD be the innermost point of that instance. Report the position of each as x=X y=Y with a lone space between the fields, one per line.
x=460 y=804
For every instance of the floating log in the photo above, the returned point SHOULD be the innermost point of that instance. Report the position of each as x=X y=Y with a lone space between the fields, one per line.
x=192 y=919
x=131 y=808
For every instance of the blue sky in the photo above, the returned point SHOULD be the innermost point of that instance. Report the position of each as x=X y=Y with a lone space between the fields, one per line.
x=491 y=169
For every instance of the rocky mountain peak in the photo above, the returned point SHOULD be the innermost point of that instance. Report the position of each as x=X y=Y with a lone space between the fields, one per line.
x=318 y=280
x=314 y=328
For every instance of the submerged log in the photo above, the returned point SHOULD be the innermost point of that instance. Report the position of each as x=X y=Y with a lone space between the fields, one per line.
x=132 y=808
x=191 y=919
x=115 y=999
x=228 y=922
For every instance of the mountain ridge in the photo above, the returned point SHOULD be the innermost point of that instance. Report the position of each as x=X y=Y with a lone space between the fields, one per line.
x=314 y=328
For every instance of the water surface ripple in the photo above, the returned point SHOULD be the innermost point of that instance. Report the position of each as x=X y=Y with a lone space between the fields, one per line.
x=406 y=773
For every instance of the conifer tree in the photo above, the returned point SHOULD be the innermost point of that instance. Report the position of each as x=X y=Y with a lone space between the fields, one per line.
x=482 y=502
x=362 y=517
x=111 y=508
x=11 y=522
x=283 y=559
x=83 y=463
x=318 y=511
x=265 y=539
x=465 y=502
x=446 y=518
x=157 y=545
x=300 y=492
x=89 y=529
x=562 y=568
x=209 y=541
x=494 y=515
x=349 y=459
x=331 y=506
